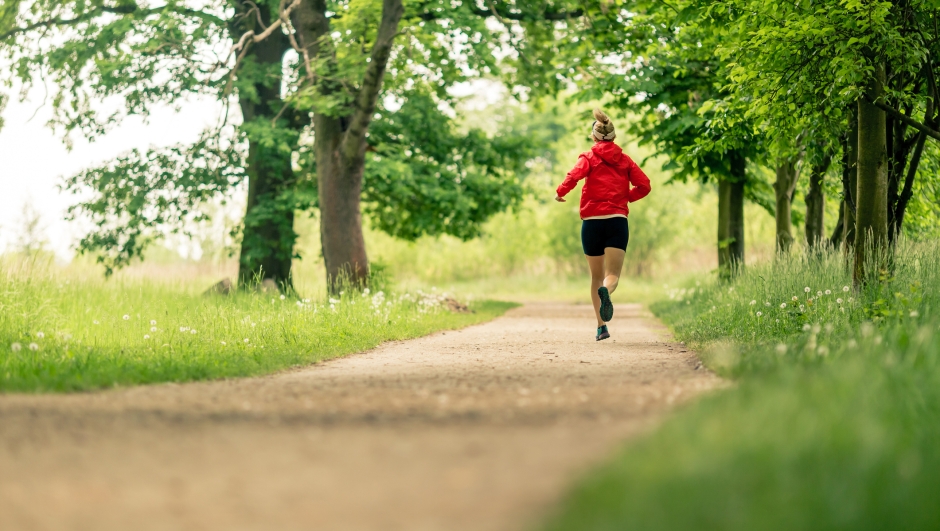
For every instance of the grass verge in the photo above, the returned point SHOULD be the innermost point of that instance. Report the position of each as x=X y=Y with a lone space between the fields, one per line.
x=61 y=336
x=833 y=424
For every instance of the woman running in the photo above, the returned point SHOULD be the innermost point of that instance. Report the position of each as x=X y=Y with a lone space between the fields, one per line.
x=612 y=181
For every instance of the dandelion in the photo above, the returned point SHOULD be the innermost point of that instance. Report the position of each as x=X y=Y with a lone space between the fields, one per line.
x=341 y=292
x=767 y=304
x=845 y=288
x=794 y=298
x=246 y=340
x=95 y=322
x=126 y=317
x=283 y=297
x=776 y=320
x=806 y=289
x=153 y=322
x=806 y=327
x=34 y=347
x=753 y=303
x=801 y=308
x=828 y=292
x=16 y=347
x=914 y=313
x=153 y=328
x=333 y=301
x=193 y=332
x=851 y=299
x=183 y=329
x=146 y=336
x=819 y=294
x=839 y=300
x=365 y=291
x=783 y=305
x=40 y=335
x=760 y=314
x=254 y=324
x=781 y=348
x=223 y=343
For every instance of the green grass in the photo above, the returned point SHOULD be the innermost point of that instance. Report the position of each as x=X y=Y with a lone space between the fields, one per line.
x=834 y=422
x=91 y=334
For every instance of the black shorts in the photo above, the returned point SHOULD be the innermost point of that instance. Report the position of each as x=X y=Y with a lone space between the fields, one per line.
x=598 y=234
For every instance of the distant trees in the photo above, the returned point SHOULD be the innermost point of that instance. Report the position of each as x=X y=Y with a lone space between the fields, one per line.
x=297 y=69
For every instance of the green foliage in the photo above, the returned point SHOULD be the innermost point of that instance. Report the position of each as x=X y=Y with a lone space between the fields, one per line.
x=92 y=334
x=832 y=421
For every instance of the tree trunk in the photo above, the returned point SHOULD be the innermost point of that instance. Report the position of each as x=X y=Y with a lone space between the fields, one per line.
x=736 y=207
x=850 y=181
x=872 y=192
x=344 y=247
x=268 y=236
x=835 y=240
x=815 y=205
x=340 y=142
x=724 y=229
x=783 y=191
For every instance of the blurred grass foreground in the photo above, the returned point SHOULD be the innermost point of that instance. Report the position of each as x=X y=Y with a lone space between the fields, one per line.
x=834 y=422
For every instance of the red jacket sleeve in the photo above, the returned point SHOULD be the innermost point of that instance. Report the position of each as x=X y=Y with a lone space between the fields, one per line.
x=580 y=171
x=639 y=181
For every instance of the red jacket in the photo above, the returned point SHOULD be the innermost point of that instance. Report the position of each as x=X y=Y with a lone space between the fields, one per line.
x=613 y=180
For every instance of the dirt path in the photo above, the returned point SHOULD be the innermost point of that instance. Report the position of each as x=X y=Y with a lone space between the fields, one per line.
x=480 y=429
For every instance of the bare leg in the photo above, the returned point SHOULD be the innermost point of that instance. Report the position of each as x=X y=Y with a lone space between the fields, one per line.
x=614 y=264
x=596 y=264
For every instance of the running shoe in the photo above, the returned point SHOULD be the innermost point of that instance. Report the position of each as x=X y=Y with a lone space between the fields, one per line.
x=602 y=333
x=607 y=307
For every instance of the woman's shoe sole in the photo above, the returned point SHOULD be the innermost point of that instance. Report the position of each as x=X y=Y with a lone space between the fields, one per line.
x=607 y=307
x=602 y=337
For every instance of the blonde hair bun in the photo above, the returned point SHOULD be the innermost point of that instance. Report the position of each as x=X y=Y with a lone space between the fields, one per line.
x=603 y=128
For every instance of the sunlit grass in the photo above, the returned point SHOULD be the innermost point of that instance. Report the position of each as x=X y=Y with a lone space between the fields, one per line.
x=60 y=335
x=833 y=423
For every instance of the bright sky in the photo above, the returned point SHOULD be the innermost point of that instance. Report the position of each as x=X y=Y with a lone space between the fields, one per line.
x=35 y=160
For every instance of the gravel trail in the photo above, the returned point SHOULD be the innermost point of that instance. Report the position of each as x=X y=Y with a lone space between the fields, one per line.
x=479 y=430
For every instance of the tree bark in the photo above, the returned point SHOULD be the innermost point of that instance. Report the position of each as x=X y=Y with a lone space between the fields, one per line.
x=736 y=215
x=815 y=204
x=340 y=144
x=724 y=233
x=835 y=240
x=783 y=191
x=268 y=236
x=872 y=192
x=850 y=181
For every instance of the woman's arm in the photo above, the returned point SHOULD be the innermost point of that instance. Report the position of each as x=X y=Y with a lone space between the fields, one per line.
x=580 y=171
x=639 y=181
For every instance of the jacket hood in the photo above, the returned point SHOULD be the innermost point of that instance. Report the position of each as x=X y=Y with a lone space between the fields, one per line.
x=608 y=152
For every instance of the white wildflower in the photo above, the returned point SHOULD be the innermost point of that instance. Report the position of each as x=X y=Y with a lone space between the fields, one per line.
x=794 y=298
x=34 y=347
x=146 y=336
x=126 y=317
x=760 y=314
x=781 y=348
x=822 y=350
x=806 y=327
x=845 y=288
x=223 y=343
x=914 y=313
x=246 y=340
x=828 y=292
x=801 y=308
x=283 y=297
x=95 y=322
x=819 y=294
x=851 y=299
x=153 y=322
x=753 y=303
x=852 y=343
x=839 y=300
x=333 y=301
x=366 y=291
x=783 y=305
x=767 y=304
x=153 y=328
x=192 y=331
x=40 y=335
x=16 y=347
x=806 y=289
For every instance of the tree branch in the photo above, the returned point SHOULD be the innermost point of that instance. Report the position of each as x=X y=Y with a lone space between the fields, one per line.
x=897 y=115
x=103 y=10
x=355 y=139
